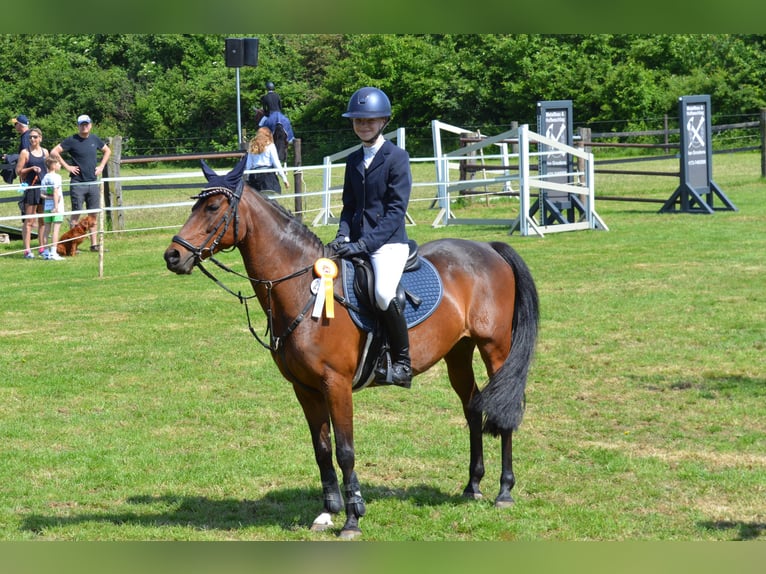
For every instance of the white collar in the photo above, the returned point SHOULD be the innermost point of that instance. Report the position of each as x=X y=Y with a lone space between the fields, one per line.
x=373 y=149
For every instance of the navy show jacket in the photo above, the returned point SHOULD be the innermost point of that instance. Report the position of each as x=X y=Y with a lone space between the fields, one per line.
x=375 y=199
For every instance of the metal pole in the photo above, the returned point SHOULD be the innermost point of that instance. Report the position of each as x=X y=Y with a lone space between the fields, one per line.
x=763 y=142
x=239 y=115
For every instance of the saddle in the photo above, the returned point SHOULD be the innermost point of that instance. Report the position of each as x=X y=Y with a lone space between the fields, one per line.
x=364 y=279
x=420 y=290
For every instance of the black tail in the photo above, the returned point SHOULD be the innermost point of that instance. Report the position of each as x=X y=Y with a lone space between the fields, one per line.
x=502 y=401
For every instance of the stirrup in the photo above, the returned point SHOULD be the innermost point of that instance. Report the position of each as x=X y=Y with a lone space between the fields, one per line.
x=396 y=374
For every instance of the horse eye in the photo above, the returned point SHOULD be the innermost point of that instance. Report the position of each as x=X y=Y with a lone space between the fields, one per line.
x=213 y=206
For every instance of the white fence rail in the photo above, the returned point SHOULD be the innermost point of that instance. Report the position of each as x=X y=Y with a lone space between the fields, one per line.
x=519 y=182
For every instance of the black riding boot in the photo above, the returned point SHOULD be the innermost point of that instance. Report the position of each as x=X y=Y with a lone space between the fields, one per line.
x=400 y=371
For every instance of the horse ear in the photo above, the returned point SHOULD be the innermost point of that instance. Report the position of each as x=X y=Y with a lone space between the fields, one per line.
x=207 y=172
x=235 y=175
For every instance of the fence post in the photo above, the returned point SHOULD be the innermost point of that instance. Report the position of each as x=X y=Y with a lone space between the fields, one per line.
x=763 y=142
x=298 y=179
x=113 y=189
x=584 y=144
x=515 y=145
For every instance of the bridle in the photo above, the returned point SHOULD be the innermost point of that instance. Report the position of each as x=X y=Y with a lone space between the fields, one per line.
x=213 y=240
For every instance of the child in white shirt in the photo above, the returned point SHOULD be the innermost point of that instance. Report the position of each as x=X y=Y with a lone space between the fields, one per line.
x=54 y=204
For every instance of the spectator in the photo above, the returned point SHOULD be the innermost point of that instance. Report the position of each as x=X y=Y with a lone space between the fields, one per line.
x=21 y=124
x=83 y=148
x=54 y=204
x=31 y=169
x=262 y=155
x=376 y=191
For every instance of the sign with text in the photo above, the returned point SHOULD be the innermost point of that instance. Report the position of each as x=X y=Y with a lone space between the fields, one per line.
x=554 y=121
x=697 y=190
x=696 y=149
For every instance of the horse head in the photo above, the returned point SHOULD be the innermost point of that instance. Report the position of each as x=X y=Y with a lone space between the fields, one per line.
x=213 y=225
x=258 y=113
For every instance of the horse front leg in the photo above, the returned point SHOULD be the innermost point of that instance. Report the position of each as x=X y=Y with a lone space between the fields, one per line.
x=333 y=503
x=318 y=420
x=507 y=479
x=342 y=414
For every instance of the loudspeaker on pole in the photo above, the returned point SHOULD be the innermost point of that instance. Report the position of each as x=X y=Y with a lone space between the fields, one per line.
x=241 y=52
x=251 y=51
x=235 y=53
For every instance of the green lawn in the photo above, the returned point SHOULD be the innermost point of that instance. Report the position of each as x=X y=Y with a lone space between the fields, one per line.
x=137 y=406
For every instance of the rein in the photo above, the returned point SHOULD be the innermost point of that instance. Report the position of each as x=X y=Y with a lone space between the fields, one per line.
x=214 y=238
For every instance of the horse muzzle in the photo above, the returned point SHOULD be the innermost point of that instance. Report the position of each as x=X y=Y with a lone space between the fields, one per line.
x=178 y=261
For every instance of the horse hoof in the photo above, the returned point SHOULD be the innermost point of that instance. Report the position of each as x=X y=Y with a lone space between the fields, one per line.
x=473 y=495
x=322 y=522
x=504 y=503
x=349 y=534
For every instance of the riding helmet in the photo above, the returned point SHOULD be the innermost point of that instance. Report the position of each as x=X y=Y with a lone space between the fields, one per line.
x=270 y=86
x=368 y=102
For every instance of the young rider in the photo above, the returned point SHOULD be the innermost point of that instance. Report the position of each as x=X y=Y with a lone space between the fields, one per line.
x=376 y=191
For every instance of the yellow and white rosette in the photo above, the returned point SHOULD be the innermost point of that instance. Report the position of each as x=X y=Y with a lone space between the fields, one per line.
x=327 y=270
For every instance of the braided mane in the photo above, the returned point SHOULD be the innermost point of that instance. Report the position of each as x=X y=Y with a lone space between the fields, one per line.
x=210 y=191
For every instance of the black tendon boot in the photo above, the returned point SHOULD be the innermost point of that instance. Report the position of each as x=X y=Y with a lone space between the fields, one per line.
x=400 y=371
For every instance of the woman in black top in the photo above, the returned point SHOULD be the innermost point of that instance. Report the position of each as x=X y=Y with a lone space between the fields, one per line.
x=31 y=169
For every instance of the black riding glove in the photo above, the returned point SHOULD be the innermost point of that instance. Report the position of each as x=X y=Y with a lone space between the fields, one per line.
x=337 y=242
x=351 y=249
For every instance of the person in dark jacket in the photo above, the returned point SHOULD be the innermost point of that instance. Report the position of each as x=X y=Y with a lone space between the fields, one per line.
x=376 y=191
x=21 y=125
x=270 y=101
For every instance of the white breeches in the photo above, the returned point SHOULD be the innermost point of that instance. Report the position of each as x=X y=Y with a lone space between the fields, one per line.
x=388 y=265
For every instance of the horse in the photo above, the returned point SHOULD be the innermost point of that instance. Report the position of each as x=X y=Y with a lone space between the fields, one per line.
x=489 y=303
x=281 y=130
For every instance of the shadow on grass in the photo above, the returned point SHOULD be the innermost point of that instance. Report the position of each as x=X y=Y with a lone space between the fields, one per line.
x=288 y=509
x=744 y=530
x=755 y=386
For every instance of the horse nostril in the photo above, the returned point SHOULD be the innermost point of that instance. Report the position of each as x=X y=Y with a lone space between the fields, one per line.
x=171 y=258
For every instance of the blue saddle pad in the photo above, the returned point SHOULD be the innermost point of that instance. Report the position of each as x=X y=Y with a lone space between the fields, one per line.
x=423 y=282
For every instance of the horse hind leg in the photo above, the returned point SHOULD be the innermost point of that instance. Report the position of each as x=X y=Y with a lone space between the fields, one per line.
x=460 y=369
x=463 y=381
x=507 y=478
x=509 y=394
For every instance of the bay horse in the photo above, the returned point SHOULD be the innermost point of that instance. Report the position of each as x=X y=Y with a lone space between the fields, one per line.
x=489 y=303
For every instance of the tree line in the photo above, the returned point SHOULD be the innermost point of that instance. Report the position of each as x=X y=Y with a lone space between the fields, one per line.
x=173 y=93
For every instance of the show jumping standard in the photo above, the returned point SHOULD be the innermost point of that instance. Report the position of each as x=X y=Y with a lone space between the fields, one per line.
x=489 y=302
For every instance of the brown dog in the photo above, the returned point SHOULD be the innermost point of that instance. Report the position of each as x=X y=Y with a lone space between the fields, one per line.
x=71 y=239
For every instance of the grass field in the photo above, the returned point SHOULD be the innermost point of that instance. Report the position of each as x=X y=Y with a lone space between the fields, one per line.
x=137 y=406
